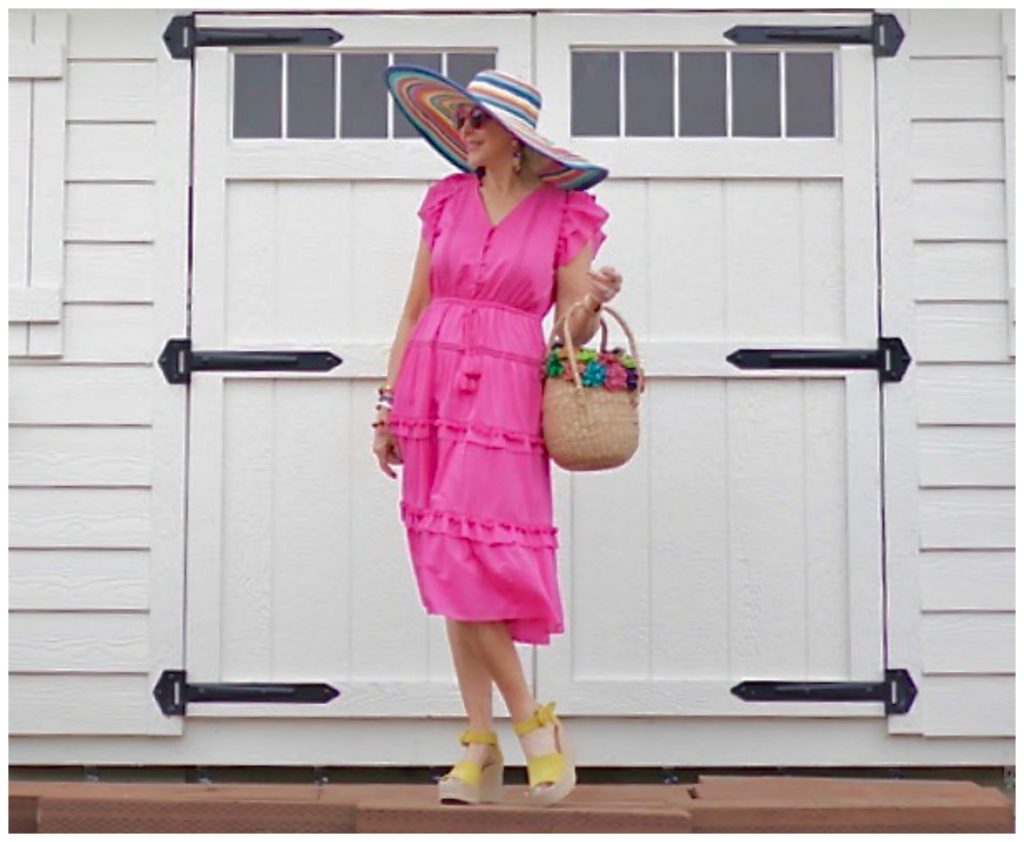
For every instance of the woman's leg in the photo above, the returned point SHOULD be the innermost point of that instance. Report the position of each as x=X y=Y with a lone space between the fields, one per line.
x=502 y=662
x=493 y=645
x=474 y=684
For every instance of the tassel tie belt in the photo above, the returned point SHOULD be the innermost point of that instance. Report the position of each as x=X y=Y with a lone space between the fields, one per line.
x=469 y=372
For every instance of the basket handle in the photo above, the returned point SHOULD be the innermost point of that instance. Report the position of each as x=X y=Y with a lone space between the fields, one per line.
x=563 y=324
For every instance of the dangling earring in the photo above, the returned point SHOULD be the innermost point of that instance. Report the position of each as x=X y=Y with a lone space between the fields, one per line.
x=517 y=158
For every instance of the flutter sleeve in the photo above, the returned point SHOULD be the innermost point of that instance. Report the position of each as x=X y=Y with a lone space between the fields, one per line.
x=433 y=204
x=582 y=220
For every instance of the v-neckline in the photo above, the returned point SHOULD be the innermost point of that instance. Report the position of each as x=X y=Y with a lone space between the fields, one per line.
x=477 y=190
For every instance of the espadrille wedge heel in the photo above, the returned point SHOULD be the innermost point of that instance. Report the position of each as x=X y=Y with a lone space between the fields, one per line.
x=472 y=783
x=551 y=776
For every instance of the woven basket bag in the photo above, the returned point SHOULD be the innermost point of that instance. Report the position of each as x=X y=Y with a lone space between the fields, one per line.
x=590 y=428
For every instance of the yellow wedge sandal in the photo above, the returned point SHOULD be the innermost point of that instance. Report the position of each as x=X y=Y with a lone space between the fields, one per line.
x=472 y=783
x=557 y=769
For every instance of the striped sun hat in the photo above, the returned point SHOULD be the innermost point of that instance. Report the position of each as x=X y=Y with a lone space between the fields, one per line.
x=431 y=101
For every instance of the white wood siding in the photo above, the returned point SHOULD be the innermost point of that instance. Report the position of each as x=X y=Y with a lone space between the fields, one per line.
x=96 y=434
x=1009 y=31
x=955 y=182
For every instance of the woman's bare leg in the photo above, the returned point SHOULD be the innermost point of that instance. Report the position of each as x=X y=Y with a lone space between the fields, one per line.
x=474 y=683
x=502 y=662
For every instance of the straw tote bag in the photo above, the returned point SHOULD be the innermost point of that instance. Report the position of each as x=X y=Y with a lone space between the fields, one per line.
x=591 y=400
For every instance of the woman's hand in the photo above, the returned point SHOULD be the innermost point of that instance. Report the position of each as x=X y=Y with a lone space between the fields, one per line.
x=604 y=285
x=385 y=447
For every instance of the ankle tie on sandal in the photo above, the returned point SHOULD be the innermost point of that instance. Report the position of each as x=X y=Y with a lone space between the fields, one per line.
x=542 y=716
x=488 y=737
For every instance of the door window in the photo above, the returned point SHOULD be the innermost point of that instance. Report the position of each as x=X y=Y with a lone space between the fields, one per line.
x=301 y=91
x=702 y=93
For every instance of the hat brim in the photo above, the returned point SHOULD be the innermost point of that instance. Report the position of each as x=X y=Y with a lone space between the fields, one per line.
x=430 y=102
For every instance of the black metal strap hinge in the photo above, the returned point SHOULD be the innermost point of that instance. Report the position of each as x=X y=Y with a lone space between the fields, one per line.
x=897 y=692
x=890 y=358
x=884 y=34
x=173 y=693
x=178 y=360
x=182 y=36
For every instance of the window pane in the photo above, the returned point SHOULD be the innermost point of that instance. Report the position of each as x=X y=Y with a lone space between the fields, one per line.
x=363 y=95
x=431 y=61
x=649 y=94
x=755 y=95
x=809 y=100
x=702 y=100
x=257 y=95
x=311 y=95
x=595 y=94
x=462 y=67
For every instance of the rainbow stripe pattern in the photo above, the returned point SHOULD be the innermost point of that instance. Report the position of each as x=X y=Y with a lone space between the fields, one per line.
x=430 y=100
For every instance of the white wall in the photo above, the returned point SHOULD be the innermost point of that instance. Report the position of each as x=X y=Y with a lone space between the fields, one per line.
x=96 y=435
x=961 y=196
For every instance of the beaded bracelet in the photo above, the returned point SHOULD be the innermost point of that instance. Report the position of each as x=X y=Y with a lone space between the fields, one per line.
x=385 y=396
x=385 y=400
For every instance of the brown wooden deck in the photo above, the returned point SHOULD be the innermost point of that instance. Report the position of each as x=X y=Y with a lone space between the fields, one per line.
x=715 y=804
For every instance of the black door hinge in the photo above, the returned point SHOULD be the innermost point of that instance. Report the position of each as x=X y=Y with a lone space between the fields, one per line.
x=178 y=360
x=890 y=358
x=173 y=693
x=884 y=34
x=897 y=692
x=182 y=36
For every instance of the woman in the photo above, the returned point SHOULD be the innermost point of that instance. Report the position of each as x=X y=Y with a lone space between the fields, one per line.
x=505 y=237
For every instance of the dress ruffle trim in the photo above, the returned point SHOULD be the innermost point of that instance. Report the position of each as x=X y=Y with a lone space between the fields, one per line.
x=582 y=219
x=478 y=529
x=433 y=204
x=488 y=436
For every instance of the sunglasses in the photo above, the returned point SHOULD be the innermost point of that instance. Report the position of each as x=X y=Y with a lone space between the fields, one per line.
x=477 y=117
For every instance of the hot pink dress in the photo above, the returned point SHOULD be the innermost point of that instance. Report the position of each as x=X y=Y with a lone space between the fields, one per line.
x=476 y=484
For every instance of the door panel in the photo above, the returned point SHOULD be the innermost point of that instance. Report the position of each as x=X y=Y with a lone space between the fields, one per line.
x=743 y=541
x=298 y=570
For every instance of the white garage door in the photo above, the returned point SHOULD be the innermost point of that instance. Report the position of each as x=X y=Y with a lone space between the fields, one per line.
x=743 y=540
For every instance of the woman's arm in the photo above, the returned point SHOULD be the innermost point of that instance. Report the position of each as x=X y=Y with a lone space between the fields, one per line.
x=416 y=301
x=573 y=285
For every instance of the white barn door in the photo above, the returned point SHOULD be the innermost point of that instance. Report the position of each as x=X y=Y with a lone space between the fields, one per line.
x=305 y=230
x=743 y=541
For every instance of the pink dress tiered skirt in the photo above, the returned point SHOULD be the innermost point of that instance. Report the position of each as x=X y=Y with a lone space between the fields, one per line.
x=476 y=497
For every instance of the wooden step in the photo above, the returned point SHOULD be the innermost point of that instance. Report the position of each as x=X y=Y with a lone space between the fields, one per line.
x=748 y=804
x=716 y=804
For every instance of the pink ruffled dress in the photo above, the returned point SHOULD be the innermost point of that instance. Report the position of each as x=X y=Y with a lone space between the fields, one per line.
x=476 y=498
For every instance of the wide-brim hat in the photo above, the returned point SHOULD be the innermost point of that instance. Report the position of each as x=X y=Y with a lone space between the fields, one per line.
x=431 y=101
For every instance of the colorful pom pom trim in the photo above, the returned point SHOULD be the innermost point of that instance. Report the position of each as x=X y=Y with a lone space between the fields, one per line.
x=614 y=370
